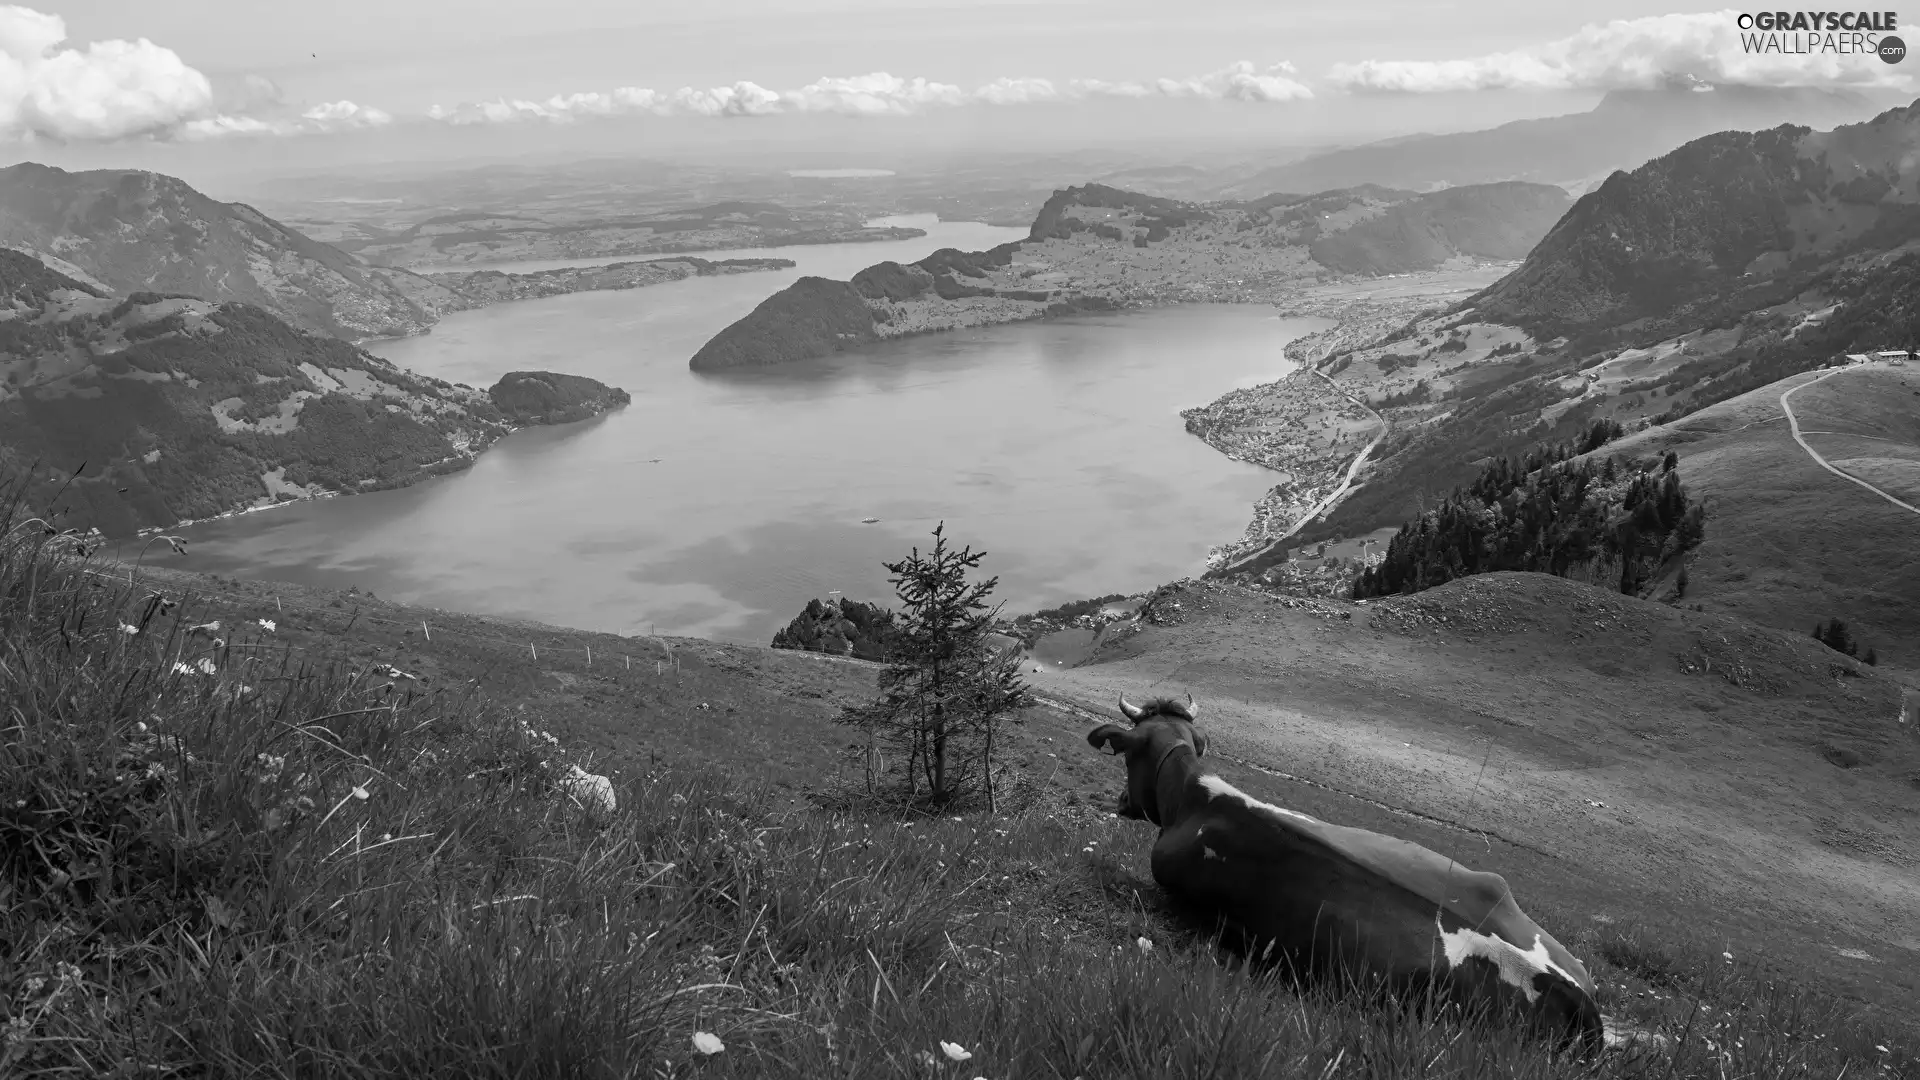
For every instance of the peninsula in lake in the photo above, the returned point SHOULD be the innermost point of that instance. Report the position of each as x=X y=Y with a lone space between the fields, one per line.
x=1098 y=248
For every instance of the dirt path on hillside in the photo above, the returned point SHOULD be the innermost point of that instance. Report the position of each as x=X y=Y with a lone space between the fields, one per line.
x=1794 y=422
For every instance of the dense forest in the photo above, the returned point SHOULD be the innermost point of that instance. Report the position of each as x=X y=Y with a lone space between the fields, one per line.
x=1546 y=513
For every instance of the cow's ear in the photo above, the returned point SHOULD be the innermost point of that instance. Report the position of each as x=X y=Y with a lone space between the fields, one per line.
x=1110 y=738
x=1199 y=744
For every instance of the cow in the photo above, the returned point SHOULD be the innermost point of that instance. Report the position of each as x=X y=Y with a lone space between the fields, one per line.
x=1336 y=900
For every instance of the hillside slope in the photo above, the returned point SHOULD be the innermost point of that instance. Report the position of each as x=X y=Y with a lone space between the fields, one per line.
x=170 y=408
x=1724 y=224
x=144 y=231
x=1623 y=758
x=1619 y=762
x=1788 y=543
x=1096 y=247
x=1491 y=221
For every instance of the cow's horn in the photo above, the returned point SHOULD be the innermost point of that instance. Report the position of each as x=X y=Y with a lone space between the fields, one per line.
x=1130 y=710
x=1193 y=710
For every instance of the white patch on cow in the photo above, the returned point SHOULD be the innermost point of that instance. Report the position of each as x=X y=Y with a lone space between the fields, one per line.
x=1208 y=853
x=1516 y=967
x=1220 y=789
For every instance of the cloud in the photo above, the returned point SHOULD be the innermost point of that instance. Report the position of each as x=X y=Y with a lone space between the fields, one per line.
x=338 y=115
x=877 y=94
x=1240 y=82
x=109 y=90
x=1642 y=53
x=323 y=119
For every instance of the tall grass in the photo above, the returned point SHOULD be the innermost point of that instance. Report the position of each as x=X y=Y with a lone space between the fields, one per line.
x=264 y=865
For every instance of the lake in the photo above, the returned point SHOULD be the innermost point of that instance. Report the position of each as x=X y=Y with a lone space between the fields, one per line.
x=716 y=505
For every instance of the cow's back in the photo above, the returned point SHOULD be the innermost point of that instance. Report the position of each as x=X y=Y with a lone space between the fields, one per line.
x=1374 y=908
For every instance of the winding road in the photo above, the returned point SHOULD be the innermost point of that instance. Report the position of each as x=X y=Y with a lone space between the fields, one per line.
x=1794 y=422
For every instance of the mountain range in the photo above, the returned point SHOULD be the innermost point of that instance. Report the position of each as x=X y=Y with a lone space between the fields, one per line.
x=1720 y=273
x=1098 y=247
x=1627 y=128
x=132 y=231
x=1724 y=224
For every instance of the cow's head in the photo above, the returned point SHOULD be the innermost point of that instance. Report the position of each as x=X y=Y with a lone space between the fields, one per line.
x=1158 y=728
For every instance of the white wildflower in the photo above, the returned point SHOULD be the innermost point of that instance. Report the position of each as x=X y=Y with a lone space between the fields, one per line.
x=707 y=1043
x=1146 y=944
x=360 y=792
x=206 y=666
x=954 y=1051
x=267 y=625
x=182 y=669
x=129 y=628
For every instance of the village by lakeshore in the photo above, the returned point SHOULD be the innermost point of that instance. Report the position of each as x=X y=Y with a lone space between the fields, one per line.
x=1314 y=431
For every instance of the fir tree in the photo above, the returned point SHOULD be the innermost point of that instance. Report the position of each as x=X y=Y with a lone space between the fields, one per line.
x=946 y=688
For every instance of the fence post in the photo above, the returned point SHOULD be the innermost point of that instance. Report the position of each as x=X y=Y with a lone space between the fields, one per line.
x=424 y=630
x=534 y=651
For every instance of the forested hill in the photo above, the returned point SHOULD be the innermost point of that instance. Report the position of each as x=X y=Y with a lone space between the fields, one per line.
x=1599 y=521
x=154 y=409
x=1722 y=225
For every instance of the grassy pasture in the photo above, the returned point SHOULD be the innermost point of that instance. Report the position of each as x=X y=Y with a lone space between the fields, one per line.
x=261 y=851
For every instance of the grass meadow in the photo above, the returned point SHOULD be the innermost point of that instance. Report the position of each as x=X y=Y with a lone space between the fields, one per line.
x=224 y=855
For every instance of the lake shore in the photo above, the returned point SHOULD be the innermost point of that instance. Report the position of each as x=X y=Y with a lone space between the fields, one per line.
x=1316 y=433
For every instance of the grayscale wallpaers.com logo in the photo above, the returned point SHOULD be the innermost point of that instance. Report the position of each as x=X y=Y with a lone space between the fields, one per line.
x=1809 y=33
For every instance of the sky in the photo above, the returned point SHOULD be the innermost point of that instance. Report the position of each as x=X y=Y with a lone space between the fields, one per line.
x=268 y=85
